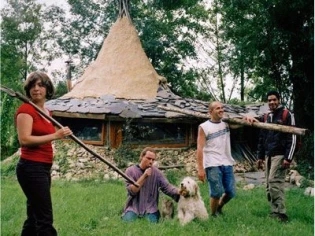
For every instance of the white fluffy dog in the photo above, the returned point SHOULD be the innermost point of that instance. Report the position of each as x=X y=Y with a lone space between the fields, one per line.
x=309 y=191
x=190 y=204
x=295 y=178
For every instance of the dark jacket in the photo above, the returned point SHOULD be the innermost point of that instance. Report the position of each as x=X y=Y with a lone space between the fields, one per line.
x=272 y=143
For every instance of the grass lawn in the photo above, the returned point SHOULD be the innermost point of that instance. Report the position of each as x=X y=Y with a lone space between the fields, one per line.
x=94 y=208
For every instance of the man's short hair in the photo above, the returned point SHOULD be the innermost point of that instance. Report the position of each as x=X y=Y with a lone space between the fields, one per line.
x=145 y=150
x=273 y=92
x=211 y=105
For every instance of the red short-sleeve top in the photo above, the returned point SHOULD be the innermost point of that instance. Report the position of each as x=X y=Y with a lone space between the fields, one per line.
x=41 y=126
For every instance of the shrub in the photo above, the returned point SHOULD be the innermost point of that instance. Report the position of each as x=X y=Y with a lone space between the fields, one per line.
x=174 y=176
x=305 y=157
x=124 y=155
x=8 y=166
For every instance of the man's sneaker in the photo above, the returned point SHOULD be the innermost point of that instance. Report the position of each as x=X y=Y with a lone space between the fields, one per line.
x=215 y=215
x=283 y=217
x=219 y=211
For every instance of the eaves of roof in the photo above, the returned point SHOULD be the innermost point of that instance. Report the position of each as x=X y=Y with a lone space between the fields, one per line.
x=125 y=108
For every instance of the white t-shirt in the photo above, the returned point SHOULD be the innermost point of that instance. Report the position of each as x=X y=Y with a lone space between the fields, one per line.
x=217 y=151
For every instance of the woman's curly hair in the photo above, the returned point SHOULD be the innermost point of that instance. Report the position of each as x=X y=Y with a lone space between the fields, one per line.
x=43 y=77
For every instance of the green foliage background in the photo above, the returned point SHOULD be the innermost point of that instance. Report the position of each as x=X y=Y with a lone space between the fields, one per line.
x=263 y=45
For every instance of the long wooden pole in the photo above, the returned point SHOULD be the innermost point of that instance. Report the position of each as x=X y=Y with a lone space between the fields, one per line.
x=261 y=125
x=269 y=126
x=72 y=136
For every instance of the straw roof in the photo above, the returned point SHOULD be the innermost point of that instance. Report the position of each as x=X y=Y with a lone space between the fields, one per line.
x=121 y=68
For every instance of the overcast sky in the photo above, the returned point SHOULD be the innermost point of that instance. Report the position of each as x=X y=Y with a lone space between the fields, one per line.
x=61 y=3
x=47 y=2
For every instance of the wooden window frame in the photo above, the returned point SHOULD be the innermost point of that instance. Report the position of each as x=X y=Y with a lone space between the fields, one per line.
x=101 y=142
x=116 y=137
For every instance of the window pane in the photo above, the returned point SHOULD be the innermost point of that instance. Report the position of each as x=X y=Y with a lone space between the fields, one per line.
x=154 y=133
x=84 y=129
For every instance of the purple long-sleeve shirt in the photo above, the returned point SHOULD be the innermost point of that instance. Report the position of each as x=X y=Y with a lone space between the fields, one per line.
x=146 y=200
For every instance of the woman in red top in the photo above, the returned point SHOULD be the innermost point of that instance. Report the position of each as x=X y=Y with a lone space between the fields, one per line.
x=35 y=135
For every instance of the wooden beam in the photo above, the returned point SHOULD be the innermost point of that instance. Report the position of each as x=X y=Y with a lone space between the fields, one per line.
x=187 y=112
x=79 y=115
x=171 y=167
x=261 y=125
x=268 y=126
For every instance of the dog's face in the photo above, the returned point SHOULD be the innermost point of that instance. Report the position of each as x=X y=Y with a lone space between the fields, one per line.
x=189 y=187
x=293 y=173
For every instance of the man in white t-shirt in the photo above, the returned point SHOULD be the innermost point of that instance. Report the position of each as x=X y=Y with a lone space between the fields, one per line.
x=214 y=158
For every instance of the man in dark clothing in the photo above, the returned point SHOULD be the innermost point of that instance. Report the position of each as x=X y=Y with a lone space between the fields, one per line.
x=277 y=150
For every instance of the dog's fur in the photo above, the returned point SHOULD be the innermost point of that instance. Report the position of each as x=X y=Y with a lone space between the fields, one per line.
x=249 y=186
x=190 y=204
x=167 y=209
x=309 y=191
x=295 y=178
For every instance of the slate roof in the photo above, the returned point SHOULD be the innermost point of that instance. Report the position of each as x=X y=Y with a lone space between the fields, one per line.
x=124 y=108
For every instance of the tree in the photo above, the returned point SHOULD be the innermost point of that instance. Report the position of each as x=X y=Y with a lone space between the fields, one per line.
x=275 y=39
x=28 y=33
x=220 y=47
x=81 y=35
x=296 y=27
x=25 y=47
x=243 y=30
x=61 y=89
x=168 y=35
x=166 y=32
x=223 y=54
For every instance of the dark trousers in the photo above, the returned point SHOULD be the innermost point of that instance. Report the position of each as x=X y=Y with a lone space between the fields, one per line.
x=35 y=181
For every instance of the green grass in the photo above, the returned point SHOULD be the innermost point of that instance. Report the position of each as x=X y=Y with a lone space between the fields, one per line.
x=94 y=208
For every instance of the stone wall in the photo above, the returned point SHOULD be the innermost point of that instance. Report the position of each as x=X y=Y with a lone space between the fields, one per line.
x=73 y=162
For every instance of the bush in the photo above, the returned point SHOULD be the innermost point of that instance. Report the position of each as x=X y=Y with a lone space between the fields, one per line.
x=8 y=138
x=305 y=157
x=175 y=176
x=124 y=155
x=8 y=166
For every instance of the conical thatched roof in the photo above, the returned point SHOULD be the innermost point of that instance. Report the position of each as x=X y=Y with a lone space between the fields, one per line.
x=121 y=68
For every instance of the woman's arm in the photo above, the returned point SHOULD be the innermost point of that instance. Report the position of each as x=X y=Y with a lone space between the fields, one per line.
x=24 y=123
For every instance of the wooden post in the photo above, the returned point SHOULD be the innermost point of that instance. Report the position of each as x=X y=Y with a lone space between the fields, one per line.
x=261 y=125
x=69 y=84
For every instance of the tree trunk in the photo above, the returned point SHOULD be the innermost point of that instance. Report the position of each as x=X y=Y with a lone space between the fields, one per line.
x=242 y=77
x=219 y=57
